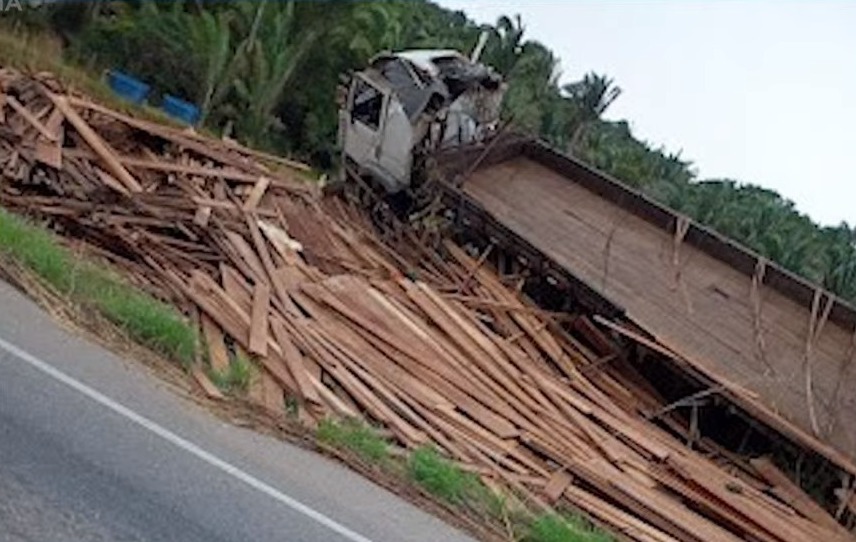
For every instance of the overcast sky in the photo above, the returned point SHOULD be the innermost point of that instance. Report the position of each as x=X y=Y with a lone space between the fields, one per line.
x=763 y=92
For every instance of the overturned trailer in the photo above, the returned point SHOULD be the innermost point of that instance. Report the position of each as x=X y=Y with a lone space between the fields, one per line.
x=716 y=327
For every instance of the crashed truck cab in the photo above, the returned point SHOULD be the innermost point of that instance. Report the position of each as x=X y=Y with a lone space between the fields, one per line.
x=409 y=103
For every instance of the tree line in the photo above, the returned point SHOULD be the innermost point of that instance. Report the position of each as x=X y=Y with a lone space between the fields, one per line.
x=267 y=72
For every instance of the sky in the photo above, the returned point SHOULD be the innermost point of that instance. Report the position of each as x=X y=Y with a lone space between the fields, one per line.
x=763 y=92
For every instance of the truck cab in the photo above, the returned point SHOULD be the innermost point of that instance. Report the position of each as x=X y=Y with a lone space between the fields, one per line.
x=413 y=101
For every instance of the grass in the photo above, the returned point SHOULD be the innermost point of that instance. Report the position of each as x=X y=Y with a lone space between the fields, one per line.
x=442 y=478
x=354 y=435
x=235 y=379
x=145 y=319
x=556 y=528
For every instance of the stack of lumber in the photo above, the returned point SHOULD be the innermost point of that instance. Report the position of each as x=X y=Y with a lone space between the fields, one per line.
x=432 y=346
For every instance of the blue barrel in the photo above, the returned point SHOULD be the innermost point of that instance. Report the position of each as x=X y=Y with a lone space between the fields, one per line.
x=128 y=87
x=180 y=109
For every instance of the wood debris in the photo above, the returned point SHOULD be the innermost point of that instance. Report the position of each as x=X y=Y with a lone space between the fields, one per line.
x=339 y=324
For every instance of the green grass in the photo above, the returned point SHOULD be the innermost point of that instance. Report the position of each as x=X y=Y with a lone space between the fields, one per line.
x=237 y=378
x=556 y=528
x=145 y=319
x=442 y=478
x=356 y=436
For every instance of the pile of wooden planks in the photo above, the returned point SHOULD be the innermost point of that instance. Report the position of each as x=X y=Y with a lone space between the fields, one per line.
x=430 y=345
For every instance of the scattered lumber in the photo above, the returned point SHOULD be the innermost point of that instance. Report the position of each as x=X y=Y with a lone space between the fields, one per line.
x=428 y=343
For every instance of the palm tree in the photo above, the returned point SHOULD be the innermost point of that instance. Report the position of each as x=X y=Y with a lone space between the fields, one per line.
x=840 y=261
x=532 y=87
x=212 y=39
x=368 y=28
x=591 y=96
x=272 y=52
x=505 y=44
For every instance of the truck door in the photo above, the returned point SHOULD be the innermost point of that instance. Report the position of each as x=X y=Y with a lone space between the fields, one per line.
x=364 y=130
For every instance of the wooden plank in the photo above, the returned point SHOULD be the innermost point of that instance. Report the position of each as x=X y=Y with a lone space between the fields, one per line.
x=255 y=388
x=99 y=146
x=618 y=519
x=202 y=216
x=111 y=181
x=49 y=153
x=205 y=383
x=792 y=494
x=557 y=484
x=217 y=353
x=603 y=346
x=294 y=361
x=256 y=193
x=268 y=266
x=272 y=397
x=28 y=116
x=247 y=254
x=259 y=320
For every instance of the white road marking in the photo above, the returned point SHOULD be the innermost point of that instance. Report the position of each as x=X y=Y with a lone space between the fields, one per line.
x=182 y=443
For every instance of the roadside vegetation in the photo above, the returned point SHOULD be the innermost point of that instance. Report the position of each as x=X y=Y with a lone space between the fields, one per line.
x=235 y=379
x=145 y=319
x=262 y=72
x=356 y=436
x=441 y=478
x=562 y=528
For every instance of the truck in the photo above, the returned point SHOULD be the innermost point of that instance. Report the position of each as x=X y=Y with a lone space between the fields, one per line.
x=407 y=106
x=420 y=132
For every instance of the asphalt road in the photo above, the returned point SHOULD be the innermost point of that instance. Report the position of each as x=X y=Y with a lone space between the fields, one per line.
x=94 y=448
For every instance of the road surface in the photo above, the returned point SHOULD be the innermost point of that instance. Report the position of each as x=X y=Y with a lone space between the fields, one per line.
x=93 y=448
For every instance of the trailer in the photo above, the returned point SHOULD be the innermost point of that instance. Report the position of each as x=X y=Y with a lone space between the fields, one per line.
x=777 y=347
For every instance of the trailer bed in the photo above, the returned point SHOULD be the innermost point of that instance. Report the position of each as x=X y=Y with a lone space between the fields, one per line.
x=702 y=296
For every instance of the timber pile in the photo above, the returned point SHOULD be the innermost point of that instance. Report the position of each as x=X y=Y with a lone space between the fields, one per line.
x=338 y=323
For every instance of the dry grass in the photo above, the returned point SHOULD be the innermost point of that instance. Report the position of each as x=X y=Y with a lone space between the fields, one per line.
x=40 y=52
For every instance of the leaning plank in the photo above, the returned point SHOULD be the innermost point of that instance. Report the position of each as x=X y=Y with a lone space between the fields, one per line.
x=49 y=151
x=259 y=320
x=272 y=397
x=101 y=148
x=205 y=383
x=217 y=354
x=28 y=116
x=294 y=361
x=257 y=193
